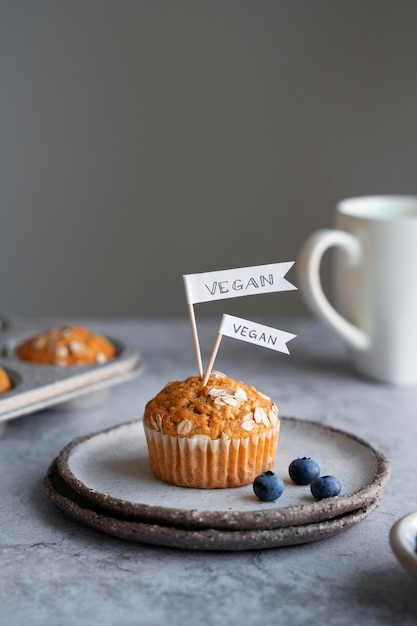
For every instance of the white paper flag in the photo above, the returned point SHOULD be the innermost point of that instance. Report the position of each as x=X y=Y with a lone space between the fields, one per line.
x=252 y=332
x=235 y=283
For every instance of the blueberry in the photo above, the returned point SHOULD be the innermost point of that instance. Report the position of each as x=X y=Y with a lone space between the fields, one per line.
x=303 y=471
x=325 y=487
x=268 y=486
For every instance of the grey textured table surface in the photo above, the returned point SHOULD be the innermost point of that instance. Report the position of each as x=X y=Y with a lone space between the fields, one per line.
x=56 y=571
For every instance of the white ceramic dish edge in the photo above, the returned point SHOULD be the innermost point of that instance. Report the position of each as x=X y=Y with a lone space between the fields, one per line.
x=403 y=540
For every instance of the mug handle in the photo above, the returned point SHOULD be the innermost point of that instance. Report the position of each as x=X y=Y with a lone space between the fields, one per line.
x=308 y=266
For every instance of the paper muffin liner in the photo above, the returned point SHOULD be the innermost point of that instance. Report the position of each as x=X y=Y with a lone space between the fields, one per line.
x=211 y=463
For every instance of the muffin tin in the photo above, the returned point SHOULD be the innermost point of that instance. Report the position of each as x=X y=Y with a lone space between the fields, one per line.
x=37 y=386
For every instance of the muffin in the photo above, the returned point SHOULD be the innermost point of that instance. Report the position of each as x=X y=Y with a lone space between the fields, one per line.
x=5 y=382
x=217 y=436
x=66 y=346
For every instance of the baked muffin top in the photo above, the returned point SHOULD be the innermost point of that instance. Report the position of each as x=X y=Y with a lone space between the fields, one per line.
x=65 y=346
x=224 y=408
x=5 y=382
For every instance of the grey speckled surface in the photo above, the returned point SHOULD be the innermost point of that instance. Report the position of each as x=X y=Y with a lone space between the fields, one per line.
x=55 y=570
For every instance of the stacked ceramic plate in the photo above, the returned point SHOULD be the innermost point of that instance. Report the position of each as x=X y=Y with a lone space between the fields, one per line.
x=104 y=480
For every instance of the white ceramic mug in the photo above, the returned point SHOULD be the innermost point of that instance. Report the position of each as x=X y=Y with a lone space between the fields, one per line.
x=375 y=274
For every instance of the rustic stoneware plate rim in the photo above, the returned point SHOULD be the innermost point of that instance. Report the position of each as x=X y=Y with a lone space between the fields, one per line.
x=259 y=516
x=197 y=539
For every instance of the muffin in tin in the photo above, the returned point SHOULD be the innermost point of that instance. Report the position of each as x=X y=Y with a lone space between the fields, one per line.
x=66 y=346
x=5 y=381
x=216 y=436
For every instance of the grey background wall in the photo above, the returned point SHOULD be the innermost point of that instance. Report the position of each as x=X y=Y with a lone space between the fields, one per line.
x=141 y=140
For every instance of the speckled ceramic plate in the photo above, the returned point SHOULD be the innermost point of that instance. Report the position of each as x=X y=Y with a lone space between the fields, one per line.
x=110 y=470
x=84 y=511
x=403 y=540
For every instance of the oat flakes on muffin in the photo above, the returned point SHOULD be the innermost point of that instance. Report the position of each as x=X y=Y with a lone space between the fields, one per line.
x=66 y=346
x=217 y=436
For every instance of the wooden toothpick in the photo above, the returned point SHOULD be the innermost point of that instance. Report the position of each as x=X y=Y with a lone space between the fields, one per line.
x=212 y=359
x=195 y=339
